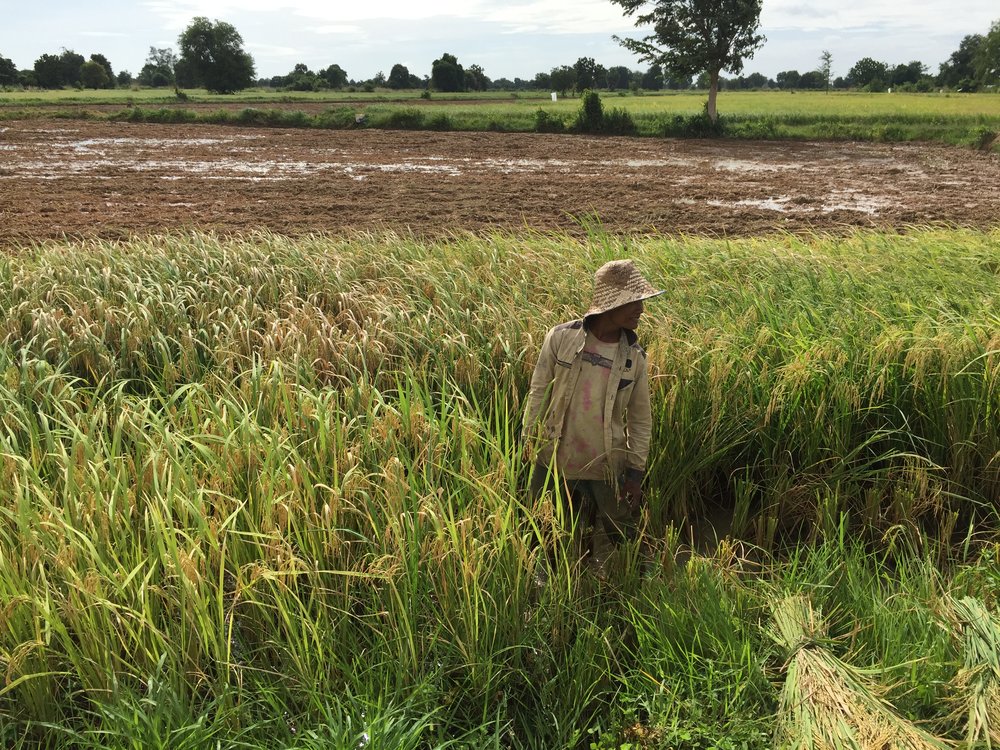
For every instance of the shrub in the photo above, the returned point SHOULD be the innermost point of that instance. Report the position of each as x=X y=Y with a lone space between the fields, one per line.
x=337 y=117
x=984 y=138
x=440 y=121
x=590 y=117
x=405 y=119
x=618 y=121
x=548 y=123
x=250 y=116
x=692 y=126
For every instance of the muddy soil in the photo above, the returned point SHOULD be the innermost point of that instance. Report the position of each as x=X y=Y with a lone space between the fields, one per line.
x=110 y=180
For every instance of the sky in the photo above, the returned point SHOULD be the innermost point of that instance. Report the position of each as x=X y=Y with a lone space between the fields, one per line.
x=508 y=38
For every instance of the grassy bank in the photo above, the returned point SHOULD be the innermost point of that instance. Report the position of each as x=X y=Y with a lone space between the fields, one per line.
x=972 y=119
x=270 y=490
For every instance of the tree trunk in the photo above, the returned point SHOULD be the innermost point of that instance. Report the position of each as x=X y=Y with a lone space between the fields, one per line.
x=713 y=91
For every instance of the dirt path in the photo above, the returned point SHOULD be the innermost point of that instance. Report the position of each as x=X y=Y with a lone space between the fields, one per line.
x=115 y=179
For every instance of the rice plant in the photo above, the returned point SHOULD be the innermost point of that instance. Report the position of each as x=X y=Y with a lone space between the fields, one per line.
x=270 y=489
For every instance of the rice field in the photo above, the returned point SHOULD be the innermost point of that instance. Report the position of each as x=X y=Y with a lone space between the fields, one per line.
x=265 y=491
x=958 y=119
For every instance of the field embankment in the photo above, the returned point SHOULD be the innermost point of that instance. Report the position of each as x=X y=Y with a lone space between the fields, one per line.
x=270 y=489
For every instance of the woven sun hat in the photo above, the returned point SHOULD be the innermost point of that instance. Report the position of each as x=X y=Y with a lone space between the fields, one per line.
x=617 y=283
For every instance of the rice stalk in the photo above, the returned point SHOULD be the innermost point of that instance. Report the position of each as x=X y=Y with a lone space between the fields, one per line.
x=827 y=704
x=977 y=683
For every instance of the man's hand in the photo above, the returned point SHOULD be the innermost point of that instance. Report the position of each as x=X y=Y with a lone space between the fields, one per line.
x=632 y=492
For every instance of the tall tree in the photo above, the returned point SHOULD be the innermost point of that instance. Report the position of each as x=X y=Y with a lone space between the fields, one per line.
x=335 y=76
x=960 y=66
x=215 y=54
x=788 y=79
x=93 y=75
x=106 y=64
x=652 y=79
x=696 y=36
x=562 y=78
x=618 y=77
x=71 y=62
x=813 y=80
x=8 y=71
x=399 y=77
x=987 y=61
x=587 y=73
x=910 y=72
x=868 y=71
x=825 y=68
x=49 y=72
x=447 y=74
x=158 y=69
x=476 y=78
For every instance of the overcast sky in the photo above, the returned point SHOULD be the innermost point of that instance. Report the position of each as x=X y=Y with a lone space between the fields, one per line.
x=513 y=38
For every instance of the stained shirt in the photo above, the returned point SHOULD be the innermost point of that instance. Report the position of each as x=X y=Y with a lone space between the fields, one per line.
x=581 y=449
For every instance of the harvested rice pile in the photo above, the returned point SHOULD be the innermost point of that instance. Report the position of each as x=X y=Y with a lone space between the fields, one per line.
x=826 y=703
x=978 y=681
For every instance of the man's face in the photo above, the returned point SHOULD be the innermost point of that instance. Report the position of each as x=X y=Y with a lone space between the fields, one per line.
x=626 y=316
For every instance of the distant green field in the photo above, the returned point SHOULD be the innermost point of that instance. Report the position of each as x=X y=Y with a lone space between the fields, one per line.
x=958 y=119
x=840 y=104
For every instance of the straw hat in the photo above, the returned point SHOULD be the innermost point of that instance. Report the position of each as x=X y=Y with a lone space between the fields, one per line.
x=618 y=283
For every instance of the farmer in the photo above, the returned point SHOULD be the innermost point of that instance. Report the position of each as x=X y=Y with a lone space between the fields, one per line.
x=588 y=419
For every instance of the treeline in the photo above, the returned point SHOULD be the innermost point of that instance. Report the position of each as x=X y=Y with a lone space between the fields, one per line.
x=448 y=75
x=212 y=56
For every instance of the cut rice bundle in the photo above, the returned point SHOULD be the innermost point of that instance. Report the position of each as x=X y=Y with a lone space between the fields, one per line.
x=978 y=681
x=827 y=704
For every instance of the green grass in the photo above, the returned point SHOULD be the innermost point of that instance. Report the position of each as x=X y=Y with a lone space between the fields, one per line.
x=270 y=490
x=962 y=119
x=744 y=103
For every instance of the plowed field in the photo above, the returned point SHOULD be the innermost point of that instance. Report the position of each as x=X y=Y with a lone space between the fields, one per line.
x=98 y=179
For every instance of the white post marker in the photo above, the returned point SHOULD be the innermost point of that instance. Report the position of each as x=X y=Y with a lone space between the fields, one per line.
x=554 y=96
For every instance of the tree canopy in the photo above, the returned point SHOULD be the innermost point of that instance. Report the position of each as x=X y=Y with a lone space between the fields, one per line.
x=868 y=72
x=476 y=78
x=158 y=69
x=49 y=71
x=101 y=60
x=399 y=77
x=696 y=36
x=960 y=68
x=8 y=71
x=334 y=75
x=587 y=73
x=213 y=55
x=71 y=63
x=447 y=74
x=93 y=75
x=987 y=61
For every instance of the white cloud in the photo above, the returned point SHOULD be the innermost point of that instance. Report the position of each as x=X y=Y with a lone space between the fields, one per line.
x=547 y=16
x=338 y=29
x=560 y=17
x=931 y=16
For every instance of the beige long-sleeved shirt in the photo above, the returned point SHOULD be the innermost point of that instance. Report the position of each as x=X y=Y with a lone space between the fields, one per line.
x=627 y=423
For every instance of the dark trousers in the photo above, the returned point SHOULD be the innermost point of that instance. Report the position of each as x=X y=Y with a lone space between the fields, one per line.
x=602 y=518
